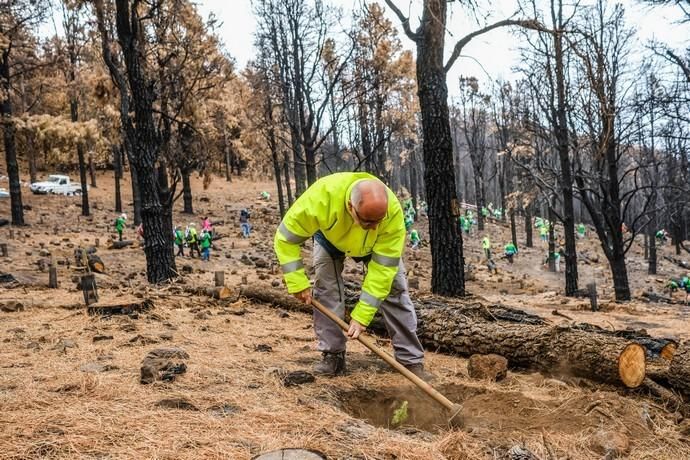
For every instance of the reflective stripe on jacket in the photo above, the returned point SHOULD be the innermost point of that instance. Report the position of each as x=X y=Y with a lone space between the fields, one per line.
x=323 y=206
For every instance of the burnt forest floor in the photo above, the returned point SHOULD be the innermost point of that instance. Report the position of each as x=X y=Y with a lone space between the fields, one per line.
x=69 y=382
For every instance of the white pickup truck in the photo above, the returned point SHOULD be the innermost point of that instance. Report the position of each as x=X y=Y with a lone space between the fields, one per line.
x=58 y=185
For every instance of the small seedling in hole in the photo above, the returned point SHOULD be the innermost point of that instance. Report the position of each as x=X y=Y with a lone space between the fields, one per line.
x=400 y=415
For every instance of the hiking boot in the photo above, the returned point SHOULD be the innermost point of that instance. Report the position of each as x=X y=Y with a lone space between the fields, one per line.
x=418 y=370
x=331 y=364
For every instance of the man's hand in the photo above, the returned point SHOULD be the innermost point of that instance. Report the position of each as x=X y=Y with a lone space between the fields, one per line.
x=304 y=296
x=355 y=329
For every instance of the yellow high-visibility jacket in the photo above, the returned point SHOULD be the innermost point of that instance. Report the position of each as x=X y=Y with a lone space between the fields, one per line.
x=323 y=206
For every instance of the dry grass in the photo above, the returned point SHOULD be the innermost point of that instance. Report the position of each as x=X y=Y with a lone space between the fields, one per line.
x=51 y=409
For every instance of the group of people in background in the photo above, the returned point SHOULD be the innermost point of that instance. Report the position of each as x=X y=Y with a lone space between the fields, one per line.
x=197 y=242
x=410 y=214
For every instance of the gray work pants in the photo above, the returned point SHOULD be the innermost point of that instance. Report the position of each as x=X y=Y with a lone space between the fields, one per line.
x=397 y=310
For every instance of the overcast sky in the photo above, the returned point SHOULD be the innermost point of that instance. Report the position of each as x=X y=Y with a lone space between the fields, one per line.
x=496 y=51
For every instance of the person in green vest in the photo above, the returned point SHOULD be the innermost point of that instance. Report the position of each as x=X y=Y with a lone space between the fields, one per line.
x=205 y=239
x=581 y=230
x=544 y=233
x=193 y=239
x=415 y=239
x=486 y=246
x=485 y=212
x=120 y=224
x=467 y=226
x=538 y=222
x=409 y=221
x=661 y=236
x=351 y=215
x=462 y=224
x=179 y=240
x=509 y=251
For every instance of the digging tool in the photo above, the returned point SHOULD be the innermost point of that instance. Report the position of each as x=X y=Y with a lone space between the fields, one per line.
x=368 y=342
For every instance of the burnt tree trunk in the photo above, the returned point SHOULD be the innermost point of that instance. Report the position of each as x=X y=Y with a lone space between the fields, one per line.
x=513 y=229
x=8 y=130
x=310 y=157
x=286 y=175
x=82 y=177
x=117 y=157
x=651 y=259
x=166 y=197
x=620 y=275
x=145 y=142
x=528 y=227
x=136 y=190
x=187 y=193
x=447 y=273
x=74 y=114
x=566 y=183
x=552 y=241
x=273 y=146
x=31 y=152
x=92 y=170
x=479 y=196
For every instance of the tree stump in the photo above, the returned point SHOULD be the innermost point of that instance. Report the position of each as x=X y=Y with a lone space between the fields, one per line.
x=89 y=289
x=3 y=249
x=96 y=242
x=592 y=289
x=96 y=264
x=52 y=277
x=219 y=278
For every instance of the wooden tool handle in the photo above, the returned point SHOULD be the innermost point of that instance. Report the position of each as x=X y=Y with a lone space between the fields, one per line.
x=368 y=342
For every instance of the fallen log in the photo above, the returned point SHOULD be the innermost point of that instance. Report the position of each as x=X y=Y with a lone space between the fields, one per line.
x=680 y=263
x=119 y=309
x=679 y=370
x=120 y=244
x=215 y=292
x=272 y=296
x=476 y=329
x=654 y=297
x=655 y=347
x=551 y=349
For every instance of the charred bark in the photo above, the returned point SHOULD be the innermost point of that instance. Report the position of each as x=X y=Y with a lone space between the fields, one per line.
x=447 y=273
x=187 y=193
x=9 y=141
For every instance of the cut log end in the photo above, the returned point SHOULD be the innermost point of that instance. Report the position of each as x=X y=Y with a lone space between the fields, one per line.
x=631 y=365
x=668 y=351
x=220 y=292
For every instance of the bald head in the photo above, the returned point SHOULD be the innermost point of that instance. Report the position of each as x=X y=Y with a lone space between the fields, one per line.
x=369 y=199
